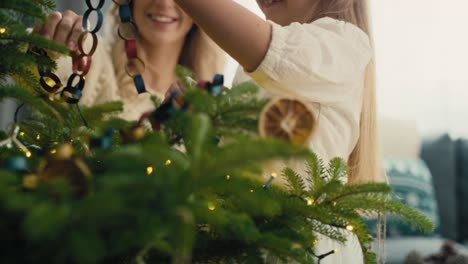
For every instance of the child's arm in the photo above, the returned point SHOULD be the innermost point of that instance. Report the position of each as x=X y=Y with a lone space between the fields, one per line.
x=241 y=33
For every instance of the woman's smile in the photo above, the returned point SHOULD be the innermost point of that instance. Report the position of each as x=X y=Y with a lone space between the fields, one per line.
x=162 y=20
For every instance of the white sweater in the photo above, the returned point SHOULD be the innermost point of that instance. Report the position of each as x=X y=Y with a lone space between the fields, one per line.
x=324 y=65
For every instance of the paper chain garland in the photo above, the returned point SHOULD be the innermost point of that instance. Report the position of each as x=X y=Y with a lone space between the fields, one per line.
x=176 y=102
x=128 y=32
x=81 y=63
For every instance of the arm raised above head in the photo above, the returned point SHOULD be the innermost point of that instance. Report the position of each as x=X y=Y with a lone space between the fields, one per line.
x=241 y=33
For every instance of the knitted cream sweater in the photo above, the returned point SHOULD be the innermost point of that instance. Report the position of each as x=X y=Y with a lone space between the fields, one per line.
x=107 y=81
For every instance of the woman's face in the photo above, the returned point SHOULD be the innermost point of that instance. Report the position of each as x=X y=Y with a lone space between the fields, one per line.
x=161 y=21
x=284 y=12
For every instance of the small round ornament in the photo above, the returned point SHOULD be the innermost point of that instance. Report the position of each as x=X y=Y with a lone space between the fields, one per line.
x=62 y=163
x=133 y=134
x=288 y=119
x=30 y=181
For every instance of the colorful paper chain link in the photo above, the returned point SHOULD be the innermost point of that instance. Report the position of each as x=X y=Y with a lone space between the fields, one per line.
x=127 y=31
x=81 y=63
x=176 y=103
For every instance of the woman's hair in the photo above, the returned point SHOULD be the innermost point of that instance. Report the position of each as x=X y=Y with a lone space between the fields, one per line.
x=199 y=54
x=365 y=161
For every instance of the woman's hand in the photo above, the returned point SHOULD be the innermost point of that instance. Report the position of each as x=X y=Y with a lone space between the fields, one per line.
x=63 y=28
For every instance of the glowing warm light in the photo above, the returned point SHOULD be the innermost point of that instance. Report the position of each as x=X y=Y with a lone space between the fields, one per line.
x=228 y=177
x=53 y=151
x=2 y=30
x=149 y=170
x=211 y=206
x=38 y=137
x=274 y=175
x=50 y=82
x=310 y=201
x=28 y=154
x=251 y=190
x=349 y=228
x=22 y=133
x=168 y=162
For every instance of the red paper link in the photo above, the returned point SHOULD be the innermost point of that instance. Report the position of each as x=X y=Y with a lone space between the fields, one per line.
x=131 y=48
x=82 y=63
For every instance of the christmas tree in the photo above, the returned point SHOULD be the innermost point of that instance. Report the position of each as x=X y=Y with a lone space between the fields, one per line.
x=79 y=187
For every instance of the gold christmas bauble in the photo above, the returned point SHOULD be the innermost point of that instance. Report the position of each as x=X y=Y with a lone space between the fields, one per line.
x=30 y=181
x=62 y=163
x=62 y=152
x=133 y=134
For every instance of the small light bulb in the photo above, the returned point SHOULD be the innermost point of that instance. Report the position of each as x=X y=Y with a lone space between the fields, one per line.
x=28 y=154
x=53 y=151
x=310 y=201
x=274 y=175
x=335 y=250
x=211 y=206
x=50 y=82
x=168 y=162
x=349 y=228
x=149 y=170
x=38 y=137
x=228 y=177
x=251 y=190
x=22 y=133
x=2 y=30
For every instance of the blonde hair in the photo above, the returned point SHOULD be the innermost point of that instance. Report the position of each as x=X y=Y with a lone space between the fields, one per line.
x=365 y=161
x=199 y=54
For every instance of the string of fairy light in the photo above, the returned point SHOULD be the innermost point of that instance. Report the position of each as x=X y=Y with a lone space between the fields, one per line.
x=73 y=91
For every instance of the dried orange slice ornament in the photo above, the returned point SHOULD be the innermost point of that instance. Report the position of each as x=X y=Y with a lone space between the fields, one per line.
x=288 y=119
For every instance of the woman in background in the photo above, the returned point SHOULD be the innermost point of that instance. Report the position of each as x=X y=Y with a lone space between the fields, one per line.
x=167 y=36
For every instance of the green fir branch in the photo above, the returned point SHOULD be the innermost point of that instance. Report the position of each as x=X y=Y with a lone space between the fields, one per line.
x=316 y=171
x=294 y=182
x=25 y=96
x=26 y=7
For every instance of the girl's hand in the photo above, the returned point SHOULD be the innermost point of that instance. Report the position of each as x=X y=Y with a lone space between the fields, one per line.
x=63 y=28
x=241 y=33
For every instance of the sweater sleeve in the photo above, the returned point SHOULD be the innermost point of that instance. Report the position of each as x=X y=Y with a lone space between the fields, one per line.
x=315 y=61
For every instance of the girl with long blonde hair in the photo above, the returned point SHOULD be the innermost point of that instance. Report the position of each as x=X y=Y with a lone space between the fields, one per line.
x=317 y=51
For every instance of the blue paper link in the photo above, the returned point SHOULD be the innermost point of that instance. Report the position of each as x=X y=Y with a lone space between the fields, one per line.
x=125 y=13
x=139 y=83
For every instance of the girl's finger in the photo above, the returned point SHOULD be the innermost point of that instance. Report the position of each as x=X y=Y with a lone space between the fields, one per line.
x=48 y=30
